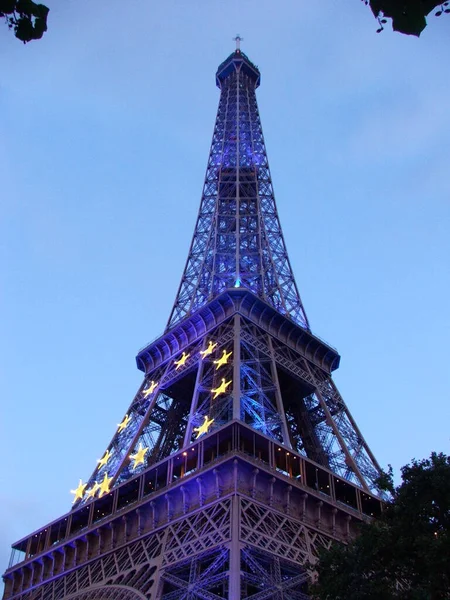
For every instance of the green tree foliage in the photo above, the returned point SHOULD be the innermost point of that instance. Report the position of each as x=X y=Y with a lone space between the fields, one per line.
x=408 y=16
x=403 y=555
x=27 y=19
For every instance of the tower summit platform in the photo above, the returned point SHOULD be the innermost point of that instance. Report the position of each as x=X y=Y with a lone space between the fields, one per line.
x=237 y=62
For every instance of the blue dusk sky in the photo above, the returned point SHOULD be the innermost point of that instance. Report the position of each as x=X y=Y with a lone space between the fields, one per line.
x=104 y=136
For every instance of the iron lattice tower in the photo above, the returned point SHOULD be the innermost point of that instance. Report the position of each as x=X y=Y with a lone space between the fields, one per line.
x=237 y=458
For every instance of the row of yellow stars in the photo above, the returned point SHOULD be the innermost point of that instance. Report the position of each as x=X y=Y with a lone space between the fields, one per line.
x=104 y=486
x=221 y=389
x=139 y=457
x=223 y=360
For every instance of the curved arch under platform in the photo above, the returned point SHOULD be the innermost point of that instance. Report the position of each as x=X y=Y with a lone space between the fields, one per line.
x=107 y=592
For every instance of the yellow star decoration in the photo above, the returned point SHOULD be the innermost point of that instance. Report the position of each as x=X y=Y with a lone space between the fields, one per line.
x=124 y=423
x=223 y=360
x=221 y=389
x=181 y=362
x=139 y=457
x=104 y=485
x=150 y=389
x=204 y=427
x=90 y=493
x=102 y=461
x=209 y=350
x=79 y=491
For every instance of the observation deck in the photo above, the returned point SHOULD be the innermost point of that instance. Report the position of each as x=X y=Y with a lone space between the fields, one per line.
x=237 y=61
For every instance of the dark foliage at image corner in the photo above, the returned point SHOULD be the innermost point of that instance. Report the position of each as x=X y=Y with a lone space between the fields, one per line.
x=408 y=16
x=404 y=554
x=25 y=18
x=28 y=20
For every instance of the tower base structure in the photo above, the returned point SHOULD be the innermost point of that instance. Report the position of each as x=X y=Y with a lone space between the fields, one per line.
x=235 y=515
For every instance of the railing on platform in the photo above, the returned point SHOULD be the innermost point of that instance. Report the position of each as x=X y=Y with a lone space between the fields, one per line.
x=235 y=438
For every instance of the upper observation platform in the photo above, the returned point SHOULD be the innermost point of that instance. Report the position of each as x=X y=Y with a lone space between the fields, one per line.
x=237 y=62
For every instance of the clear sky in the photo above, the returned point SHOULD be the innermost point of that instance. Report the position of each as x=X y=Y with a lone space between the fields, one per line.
x=104 y=136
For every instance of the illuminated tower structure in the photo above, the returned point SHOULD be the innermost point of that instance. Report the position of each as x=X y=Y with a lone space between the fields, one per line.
x=237 y=459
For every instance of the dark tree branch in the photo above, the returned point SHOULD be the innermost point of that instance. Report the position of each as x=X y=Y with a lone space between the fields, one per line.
x=405 y=553
x=27 y=19
x=408 y=16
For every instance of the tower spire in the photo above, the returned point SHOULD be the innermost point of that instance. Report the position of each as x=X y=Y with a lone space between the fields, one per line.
x=238 y=241
x=238 y=39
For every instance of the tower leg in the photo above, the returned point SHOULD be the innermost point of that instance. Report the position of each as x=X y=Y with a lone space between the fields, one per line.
x=234 y=591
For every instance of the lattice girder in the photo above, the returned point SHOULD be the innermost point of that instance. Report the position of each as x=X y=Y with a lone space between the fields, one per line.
x=229 y=506
x=269 y=385
x=238 y=239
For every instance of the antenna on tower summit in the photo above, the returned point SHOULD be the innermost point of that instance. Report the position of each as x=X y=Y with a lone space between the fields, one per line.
x=238 y=39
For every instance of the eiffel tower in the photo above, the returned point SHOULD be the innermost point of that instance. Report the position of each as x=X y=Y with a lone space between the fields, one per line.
x=237 y=459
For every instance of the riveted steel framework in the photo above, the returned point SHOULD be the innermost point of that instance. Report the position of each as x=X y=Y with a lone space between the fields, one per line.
x=247 y=521
x=252 y=459
x=238 y=238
